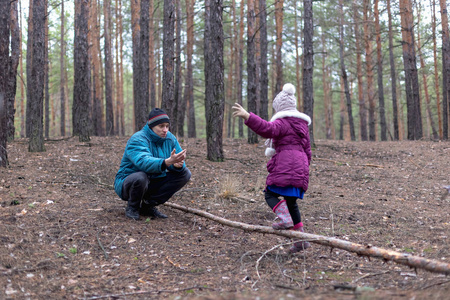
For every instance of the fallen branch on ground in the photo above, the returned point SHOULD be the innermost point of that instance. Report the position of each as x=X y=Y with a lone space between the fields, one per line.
x=363 y=250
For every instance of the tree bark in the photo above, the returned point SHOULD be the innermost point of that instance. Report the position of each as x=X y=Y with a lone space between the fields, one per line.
x=168 y=100
x=393 y=74
x=109 y=69
x=82 y=73
x=414 y=116
x=264 y=78
x=179 y=103
x=436 y=75
x=189 y=85
x=214 y=76
x=406 y=259
x=308 y=64
x=251 y=67
x=381 y=107
x=279 y=44
x=47 y=78
x=241 y=66
x=446 y=68
x=36 y=142
x=5 y=18
x=344 y=72
x=369 y=68
x=135 y=32
x=151 y=50
x=13 y=64
x=29 y=60
x=62 y=84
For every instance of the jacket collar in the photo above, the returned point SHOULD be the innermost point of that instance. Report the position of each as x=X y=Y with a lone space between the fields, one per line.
x=291 y=113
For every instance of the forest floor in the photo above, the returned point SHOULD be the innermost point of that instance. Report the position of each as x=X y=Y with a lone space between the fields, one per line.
x=64 y=234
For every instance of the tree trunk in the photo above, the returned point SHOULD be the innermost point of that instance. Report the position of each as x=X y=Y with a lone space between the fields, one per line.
x=298 y=77
x=414 y=118
x=47 y=75
x=369 y=69
x=62 y=84
x=344 y=72
x=98 y=119
x=5 y=18
x=425 y=78
x=121 y=100
x=189 y=85
x=139 y=120
x=279 y=44
x=82 y=73
x=214 y=75
x=381 y=106
x=264 y=79
x=179 y=103
x=251 y=67
x=13 y=64
x=29 y=60
x=36 y=142
x=151 y=50
x=359 y=75
x=168 y=101
x=446 y=68
x=109 y=69
x=393 y=74
x=327 y=104
x=308 y=64
x=22 y=87
x=241 y=67
x=436 y=75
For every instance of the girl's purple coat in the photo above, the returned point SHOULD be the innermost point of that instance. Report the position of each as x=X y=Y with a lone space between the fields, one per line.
x=290 y=135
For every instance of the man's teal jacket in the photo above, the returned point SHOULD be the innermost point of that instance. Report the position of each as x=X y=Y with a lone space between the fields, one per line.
x=146 y=151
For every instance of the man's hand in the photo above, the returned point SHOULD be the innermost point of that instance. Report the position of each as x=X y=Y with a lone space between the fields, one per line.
x=239 y=111
x=176 y=158
x=178 y=165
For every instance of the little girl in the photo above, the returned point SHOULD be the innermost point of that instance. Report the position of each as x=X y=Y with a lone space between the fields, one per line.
x=289 y=150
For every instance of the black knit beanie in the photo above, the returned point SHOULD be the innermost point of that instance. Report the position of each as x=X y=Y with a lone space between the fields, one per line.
x=157 y=116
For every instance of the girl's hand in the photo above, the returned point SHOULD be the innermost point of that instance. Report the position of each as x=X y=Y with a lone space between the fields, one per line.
x=239 y=111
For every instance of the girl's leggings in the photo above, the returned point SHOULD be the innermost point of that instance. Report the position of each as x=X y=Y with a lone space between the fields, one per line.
x=272 y=200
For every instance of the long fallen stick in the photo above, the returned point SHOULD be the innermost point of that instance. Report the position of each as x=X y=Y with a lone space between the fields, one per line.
x=365 y=250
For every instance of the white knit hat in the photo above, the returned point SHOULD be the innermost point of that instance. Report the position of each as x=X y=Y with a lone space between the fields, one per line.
x=285 y=100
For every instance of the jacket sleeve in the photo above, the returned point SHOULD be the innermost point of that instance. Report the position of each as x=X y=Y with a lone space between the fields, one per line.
x=264 y=128
x=138 y=152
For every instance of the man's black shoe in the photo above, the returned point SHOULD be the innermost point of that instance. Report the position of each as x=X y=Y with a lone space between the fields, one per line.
x=153 y=212
x=132 y=213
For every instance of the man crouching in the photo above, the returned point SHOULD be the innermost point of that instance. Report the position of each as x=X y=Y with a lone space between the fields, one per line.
x=152 y=168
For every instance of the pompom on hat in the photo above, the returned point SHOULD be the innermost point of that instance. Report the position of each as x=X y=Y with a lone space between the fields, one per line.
x=285 y=100
x=157 y=116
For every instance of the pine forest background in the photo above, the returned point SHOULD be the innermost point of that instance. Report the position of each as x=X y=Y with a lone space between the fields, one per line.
x=359 y=65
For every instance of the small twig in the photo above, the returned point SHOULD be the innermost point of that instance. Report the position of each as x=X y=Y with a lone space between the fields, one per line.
x=369 y=275
x=265 y=253
x=332 y=220
x=330 y=160
x=414 y=163
x=374 y=166
x=101 y=245
x=434 y=284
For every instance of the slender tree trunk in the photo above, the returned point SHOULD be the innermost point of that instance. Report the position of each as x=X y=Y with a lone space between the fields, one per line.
x=82 y=73
x=251 y=67
x=359 y=74
x=446 y=68
x=308 y=64
x=381 y=107
x=241 y=66
x=139 y=118
x=62 y=71
x=393 y=73
x=436 y=75
x=189 y=86
x=109 y=69
x=36 y=142
x=168 y=100
x=369 y=68
x=411 y=77
x=13 y=64
x=29 y=60
x=344 y=72
x=117 y=71
x=22 y=87
x=179 y=105
x=298 y=58
x=264 y=79
x=151 y=50
x=4 y=62
x=425 y=77
x=279 y=44
x=214 y=76
x=47 y=70
x=121 y=102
